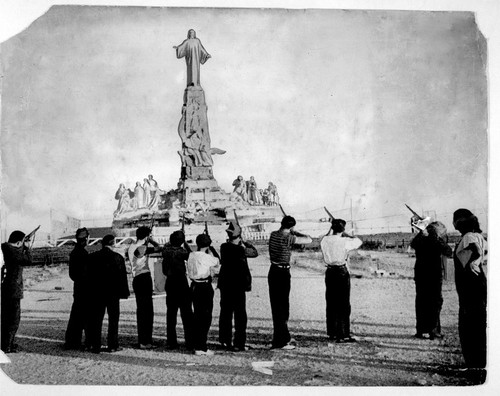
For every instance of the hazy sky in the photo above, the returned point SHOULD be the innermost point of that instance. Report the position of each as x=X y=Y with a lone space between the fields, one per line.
x=381 y=107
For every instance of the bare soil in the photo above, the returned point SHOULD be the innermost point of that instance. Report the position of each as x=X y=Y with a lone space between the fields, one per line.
x=383 y=321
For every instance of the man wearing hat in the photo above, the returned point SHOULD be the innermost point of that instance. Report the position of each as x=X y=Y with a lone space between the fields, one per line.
x=175 y=253
x=201 y=265
x=279 y=279
x=335 y=249
x=234 y=281
x=78 y=272
x=107 y=285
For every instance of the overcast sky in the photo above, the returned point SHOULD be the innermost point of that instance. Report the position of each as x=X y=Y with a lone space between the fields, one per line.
x=378 y=107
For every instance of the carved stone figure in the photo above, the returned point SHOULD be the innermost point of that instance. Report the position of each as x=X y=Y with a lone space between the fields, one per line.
x=273 y=194
x=154 y=193
x=195 y=54
x=240 y=189
x=253 y=191
x=147 y=192
x=138 y=196
x=123 y=195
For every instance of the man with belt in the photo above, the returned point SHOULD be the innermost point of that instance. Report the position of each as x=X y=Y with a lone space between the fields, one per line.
x=142 y=284
x=201 y=265
x=280 y=250
x=335 y=249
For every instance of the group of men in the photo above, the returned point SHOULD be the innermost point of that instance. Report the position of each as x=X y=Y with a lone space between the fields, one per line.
x=189 y=277
x=100 y=281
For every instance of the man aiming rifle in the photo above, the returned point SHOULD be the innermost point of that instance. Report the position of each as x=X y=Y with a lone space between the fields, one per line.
x=17 y=255
x=279 y=278
x=234 y=281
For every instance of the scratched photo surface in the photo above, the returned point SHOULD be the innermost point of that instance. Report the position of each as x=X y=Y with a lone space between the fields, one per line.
x=360 y=111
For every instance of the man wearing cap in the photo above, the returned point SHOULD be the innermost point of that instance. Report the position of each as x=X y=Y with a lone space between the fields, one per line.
x=234 y=281
x=16 y=255
x=335 y=249
x=279 y=279
x=201 y=265
x=78 y=272
x=107 y=285
x=175 y=253
x=142 y=283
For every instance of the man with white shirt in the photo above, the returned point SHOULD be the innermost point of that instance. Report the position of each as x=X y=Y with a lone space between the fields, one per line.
x=201 y=266
x=336 y=248
x=143 y=284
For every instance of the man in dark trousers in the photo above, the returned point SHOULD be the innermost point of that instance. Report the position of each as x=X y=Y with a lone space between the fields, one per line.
x=279 y=279
x=107 y=285
x=430 y=246
x=175 y=255
x=78 y=272
x=201 y=265
x=16 y=255
x=234 y=281
x=138 y=254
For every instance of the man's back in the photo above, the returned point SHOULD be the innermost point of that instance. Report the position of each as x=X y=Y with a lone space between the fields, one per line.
x=280 y=247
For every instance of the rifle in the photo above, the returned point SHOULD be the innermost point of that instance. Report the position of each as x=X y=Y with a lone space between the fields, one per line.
x=421 y=223
x=329 y=213
x=238 y=224
x=183 y=222
x=414 y=213
x=151 y=228
x=206 y=229
x=281 y=207
x=31 y=235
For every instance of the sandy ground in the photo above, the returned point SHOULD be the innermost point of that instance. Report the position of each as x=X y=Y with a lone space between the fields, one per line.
x=382 y=320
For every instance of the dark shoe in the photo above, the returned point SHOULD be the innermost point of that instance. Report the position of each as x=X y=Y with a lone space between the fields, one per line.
x=419 y=335
x=72 y=347
x=433 y=336
x=146 y=346
x=95 y=350
x=226 y=345
x=240 y=348
x=346 y=340
x=112 y=350
x=172 y=347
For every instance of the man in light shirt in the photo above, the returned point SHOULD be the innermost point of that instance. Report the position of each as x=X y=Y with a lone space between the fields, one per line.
x=143 y=284
x=335 y=249
x=201 y=266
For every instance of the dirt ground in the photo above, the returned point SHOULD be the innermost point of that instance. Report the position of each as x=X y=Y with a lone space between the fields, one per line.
x=383 y=321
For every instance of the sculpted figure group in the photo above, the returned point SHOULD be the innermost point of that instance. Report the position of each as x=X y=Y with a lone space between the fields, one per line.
x=146 y=196
x=247 y=191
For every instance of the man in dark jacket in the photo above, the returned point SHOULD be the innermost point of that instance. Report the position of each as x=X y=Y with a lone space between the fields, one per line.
x=234 y=281
x=430 y=246
x=107 y=284
x=175 y=255
x=16 y=256
x=78 y=272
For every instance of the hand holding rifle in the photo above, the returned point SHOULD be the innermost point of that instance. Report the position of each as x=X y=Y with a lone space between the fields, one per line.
x=30 y=238
x=418 y=221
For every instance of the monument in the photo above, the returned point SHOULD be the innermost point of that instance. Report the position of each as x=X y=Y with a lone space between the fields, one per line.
x=197 y=197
